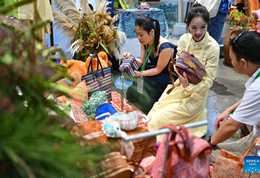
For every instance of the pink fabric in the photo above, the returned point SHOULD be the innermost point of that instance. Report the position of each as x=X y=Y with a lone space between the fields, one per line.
x=79 y=115
x=180 y=168
x=79 y=94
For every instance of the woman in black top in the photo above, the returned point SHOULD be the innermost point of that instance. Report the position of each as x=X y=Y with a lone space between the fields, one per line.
x=156 y=76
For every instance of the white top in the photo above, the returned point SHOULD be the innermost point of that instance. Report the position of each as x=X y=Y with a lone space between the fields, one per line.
x=248 y=112
x=211 y=5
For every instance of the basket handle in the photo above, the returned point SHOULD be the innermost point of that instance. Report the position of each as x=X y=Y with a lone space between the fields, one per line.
x=241 y=160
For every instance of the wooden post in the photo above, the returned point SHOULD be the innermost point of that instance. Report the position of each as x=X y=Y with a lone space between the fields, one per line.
x=247 y=7
x=180 y=11
x=51 y=35
x=131 y=2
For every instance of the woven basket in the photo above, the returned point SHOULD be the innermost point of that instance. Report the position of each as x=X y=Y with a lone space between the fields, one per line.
x=95 y=126
x=233 y=32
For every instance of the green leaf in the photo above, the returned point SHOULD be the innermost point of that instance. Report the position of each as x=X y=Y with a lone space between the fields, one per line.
x=19 y=162
x=62 y=88
x=7 y=58
x=10 y=8
x=104 y=47
x=40 y=25
x=91 y=20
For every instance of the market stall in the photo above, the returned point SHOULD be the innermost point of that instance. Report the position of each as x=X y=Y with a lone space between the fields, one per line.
x=75 y=110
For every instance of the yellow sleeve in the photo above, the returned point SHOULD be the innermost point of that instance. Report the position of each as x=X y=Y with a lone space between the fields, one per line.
x=181 y=44
x=211 y=67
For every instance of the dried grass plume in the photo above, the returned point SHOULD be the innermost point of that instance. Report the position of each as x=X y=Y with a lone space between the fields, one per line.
x=87 y=32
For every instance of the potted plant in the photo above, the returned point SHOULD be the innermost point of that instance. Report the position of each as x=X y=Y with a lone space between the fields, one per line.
x=239 y=22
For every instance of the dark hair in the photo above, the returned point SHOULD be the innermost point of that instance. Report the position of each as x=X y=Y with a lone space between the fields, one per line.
x=247 y=45
x=198 y=11
x=147 y=24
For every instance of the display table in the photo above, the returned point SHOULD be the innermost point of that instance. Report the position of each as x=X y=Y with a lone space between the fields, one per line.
x=90 y=127
x=128 y=107
x=127 y=20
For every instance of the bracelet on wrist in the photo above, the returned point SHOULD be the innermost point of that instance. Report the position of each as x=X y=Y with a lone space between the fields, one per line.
x=209 y=140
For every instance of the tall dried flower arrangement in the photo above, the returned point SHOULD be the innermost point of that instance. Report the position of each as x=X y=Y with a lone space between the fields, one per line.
x=87 y=31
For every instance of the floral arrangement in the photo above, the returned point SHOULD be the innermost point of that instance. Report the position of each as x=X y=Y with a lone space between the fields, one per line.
x=87 y=32
x=237 y=18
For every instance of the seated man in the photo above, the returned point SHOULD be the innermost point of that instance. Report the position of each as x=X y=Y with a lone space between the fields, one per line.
x=245 y=57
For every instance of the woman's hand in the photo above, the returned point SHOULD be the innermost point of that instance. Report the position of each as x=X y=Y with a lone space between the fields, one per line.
x=221 y=118
x=183 y=79
x=125 y=55
x=138 y=73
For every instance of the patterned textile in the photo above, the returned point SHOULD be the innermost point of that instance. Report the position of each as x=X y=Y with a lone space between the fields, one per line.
x=128 y=67
x=189 y=64
x=90 y=106
x=79 y=94
x=127 y=20
x=78 y=114
x=99 y=80
x=148 y=164
x=229 y=165
x=188 y=156
x=128 y=107
x=170 y=9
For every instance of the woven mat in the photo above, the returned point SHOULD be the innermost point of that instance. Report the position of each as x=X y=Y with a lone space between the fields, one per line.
x=128 y=107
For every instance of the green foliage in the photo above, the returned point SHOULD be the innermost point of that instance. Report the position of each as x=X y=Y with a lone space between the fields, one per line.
x=237 y=18
x=12 y=7
x=32 y=142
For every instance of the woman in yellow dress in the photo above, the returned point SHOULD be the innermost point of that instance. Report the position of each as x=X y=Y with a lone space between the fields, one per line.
x=186 y=103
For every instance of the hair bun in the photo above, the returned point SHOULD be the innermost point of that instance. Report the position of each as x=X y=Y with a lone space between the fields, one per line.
x=196 y=4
